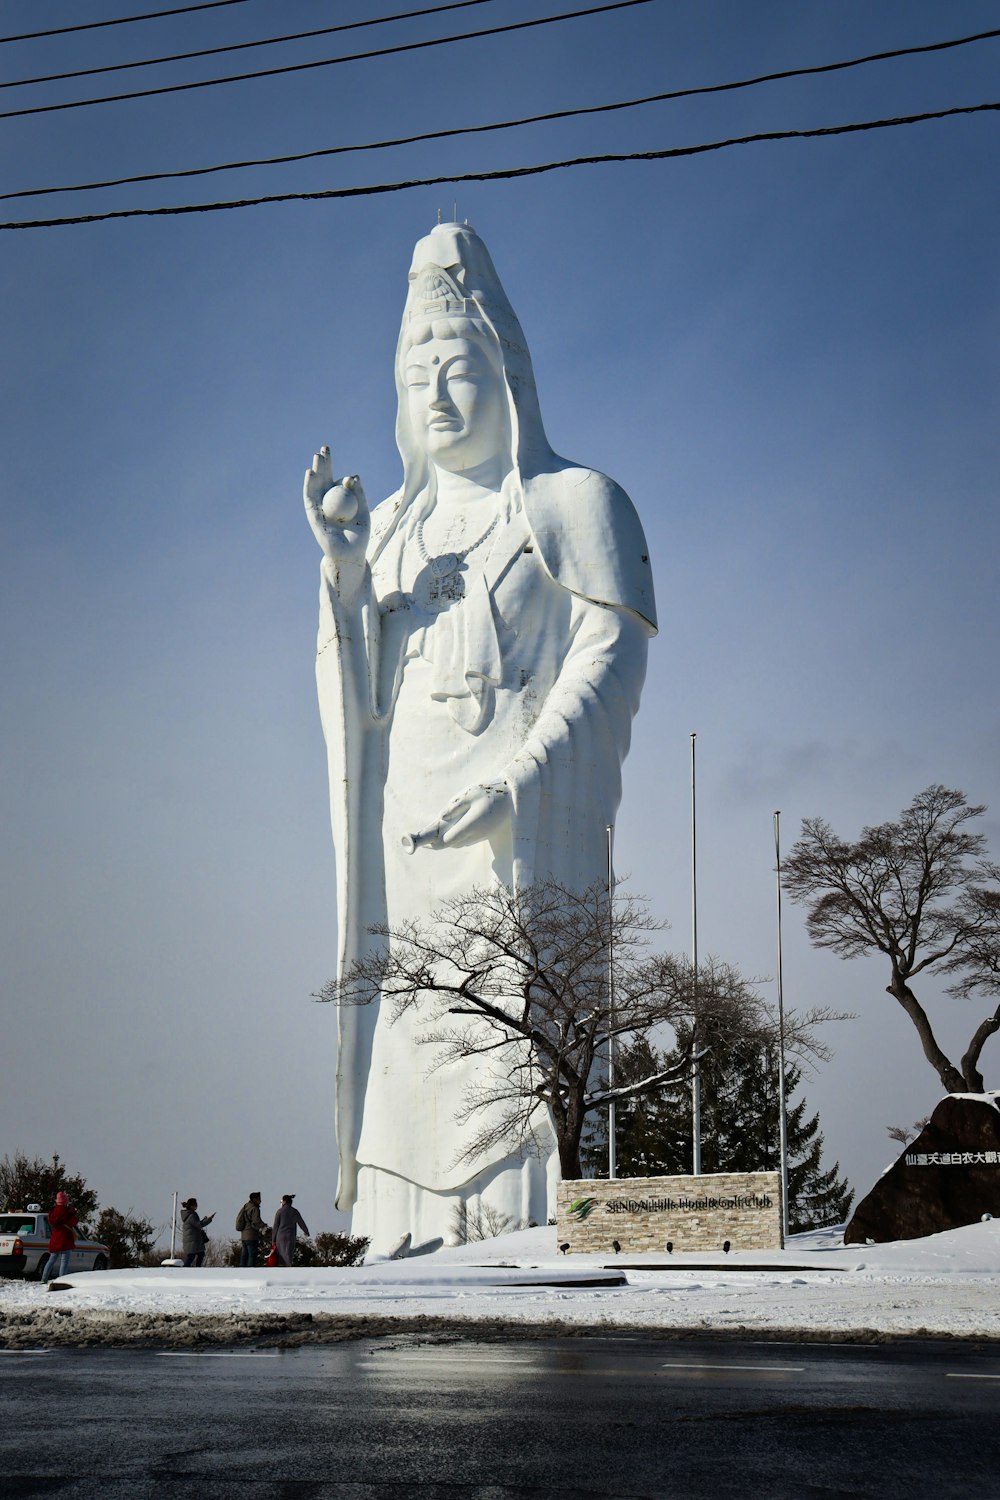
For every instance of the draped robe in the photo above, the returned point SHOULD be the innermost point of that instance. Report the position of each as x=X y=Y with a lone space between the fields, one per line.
x=561 y=675
x=531 y=678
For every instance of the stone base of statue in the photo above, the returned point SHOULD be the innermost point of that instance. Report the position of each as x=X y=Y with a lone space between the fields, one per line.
x=947 y=1177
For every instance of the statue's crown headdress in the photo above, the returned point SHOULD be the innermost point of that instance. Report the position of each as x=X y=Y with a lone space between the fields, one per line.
x=434 y=292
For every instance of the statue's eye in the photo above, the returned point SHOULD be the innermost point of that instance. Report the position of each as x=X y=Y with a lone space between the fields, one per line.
x=462 y=369
x=416 y=378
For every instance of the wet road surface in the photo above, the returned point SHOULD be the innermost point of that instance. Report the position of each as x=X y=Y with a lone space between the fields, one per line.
x=616 y=1417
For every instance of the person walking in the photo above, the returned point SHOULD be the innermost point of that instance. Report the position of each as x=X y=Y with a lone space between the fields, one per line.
x=62 y=1221
x=251 y=1226
x=287 y=1223
x=195 y=1239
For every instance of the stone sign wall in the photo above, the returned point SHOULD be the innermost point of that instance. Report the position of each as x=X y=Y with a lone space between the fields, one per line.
x=692 y=1213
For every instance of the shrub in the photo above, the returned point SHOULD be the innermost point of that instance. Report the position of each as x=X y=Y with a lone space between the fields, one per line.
x=128 y=1238
x=222 y=1252
x=330 y=1249
x=340 y=1249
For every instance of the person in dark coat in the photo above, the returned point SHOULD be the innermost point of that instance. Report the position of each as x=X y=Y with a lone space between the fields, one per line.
x=195 y=1238
x=251 y=1226
x=62 y=1221
x=287 y=1223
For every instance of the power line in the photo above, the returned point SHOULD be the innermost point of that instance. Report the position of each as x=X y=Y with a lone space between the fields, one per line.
x=152 y=15
x=325 y=62
x=506 y=174
x=267 y=41
x=557 y=114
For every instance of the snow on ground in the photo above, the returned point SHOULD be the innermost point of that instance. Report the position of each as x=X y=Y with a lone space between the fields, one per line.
x=947 y=1284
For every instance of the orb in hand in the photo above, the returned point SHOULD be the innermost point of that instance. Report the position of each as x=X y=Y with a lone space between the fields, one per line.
x=340 y=504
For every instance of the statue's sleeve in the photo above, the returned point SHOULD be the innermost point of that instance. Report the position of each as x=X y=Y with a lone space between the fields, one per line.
x=572 y=512
x=345 y=665
x=565 y=780
x=343 y=682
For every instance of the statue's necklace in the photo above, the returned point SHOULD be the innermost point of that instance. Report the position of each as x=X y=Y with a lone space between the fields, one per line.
x=440 y=582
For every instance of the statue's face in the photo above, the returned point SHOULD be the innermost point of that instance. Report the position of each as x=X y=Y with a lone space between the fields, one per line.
x=456 y=401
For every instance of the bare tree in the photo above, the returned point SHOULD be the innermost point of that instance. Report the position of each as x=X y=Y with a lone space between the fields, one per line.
x=904 y=1134
x=520 y=980
x=918 y=891
x=484 y=1222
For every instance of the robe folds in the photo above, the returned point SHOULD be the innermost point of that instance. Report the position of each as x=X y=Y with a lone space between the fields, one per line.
x=525 y=680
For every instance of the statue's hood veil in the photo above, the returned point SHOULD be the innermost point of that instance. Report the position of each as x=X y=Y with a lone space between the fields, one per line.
x=457 y=250
x=572 y=512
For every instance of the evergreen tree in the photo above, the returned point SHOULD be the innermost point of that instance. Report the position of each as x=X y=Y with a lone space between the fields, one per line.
x=739 y=1128
x=129 y=1238
x=25 y=1180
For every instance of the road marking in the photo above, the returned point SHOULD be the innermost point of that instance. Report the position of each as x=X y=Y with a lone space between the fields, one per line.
x=966 y=1375
x=797 y=1344
x=500 y=1362
x=684 y=1364
x=25 y=1351
x=207 y=1354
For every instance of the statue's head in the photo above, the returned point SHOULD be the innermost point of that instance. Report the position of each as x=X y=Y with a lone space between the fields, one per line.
x=463 y=374
x=456 y=398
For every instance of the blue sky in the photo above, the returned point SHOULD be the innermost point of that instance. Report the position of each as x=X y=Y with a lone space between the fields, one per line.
x=787 y=353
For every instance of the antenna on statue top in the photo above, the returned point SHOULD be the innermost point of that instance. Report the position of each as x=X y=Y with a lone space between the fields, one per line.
x=454 y=217
x=439 y=216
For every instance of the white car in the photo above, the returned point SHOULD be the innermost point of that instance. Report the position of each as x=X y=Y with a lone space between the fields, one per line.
x=24 y=1246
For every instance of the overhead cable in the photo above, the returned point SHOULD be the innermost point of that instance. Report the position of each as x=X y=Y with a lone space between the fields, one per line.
x=151 y=15
x=326 y=62
x=555 y=114
x=508 y=173
x=267 y=41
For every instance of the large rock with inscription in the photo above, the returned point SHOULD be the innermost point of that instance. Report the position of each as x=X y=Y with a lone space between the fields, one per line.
x=947 y=1177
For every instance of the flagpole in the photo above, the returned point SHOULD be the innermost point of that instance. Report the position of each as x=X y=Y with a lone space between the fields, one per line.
x=173 y=1261
x=695 y=1071
x=782 y=1114
x=612 y=1151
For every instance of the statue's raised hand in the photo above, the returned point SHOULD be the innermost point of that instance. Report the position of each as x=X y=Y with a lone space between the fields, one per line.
x=337 y=511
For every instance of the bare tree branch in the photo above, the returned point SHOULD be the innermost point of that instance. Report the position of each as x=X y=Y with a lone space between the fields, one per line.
x=918 y=891
x=519 y=980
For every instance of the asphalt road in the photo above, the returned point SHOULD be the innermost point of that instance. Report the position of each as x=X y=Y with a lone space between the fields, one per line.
x=598 y=1417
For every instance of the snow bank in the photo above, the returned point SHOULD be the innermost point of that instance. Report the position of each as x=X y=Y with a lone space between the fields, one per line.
x=946 y=1285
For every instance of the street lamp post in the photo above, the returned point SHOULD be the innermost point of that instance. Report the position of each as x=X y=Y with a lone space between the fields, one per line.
x=782 y=1115
x=695 y=1070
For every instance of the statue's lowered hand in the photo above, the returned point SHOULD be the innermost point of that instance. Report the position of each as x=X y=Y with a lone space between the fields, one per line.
x=474 y=815
x=337 y=511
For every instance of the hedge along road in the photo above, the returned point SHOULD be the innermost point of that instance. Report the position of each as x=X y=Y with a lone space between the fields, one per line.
x=442 y=1415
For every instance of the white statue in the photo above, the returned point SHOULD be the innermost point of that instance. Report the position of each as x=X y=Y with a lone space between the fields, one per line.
x=482 y=648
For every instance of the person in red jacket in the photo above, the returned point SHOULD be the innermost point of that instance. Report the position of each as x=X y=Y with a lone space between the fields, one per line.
x=62 y=1221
